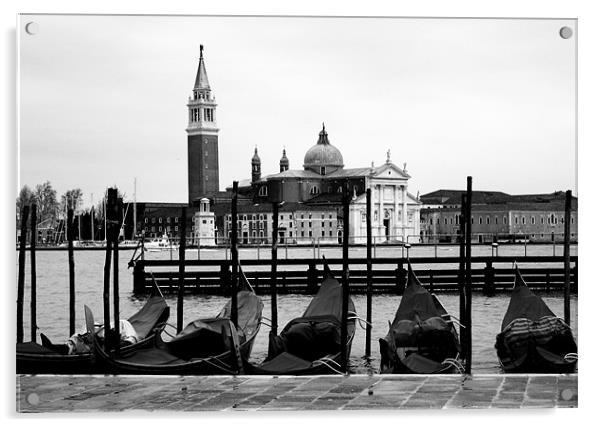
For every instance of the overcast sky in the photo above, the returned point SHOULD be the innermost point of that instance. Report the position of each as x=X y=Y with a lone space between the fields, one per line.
x=103 y=99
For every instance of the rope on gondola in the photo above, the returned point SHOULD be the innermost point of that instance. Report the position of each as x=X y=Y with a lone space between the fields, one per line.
x=359 y=319
x=571 y=357
x=325 y=361
x=454 y=363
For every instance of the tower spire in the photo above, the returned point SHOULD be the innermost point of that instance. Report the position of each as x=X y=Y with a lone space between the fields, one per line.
x=201 y=81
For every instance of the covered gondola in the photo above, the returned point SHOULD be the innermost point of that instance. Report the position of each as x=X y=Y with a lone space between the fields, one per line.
x=205 y=346
x=422 y=338
x=311 y=344
x=76 y=357
x=533 y=339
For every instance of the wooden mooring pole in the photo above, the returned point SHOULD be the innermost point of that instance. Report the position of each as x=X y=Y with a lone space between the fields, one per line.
x=368 y=272
x=235 y=274
x=106 y=304
x=32 y=247
x=462 y=278
x=21 y=276
x=69 y=229
x=567 y=257
x=181 y=271
x=115 y=228
x=468 y=275
x=345 y=279
x=273 y=272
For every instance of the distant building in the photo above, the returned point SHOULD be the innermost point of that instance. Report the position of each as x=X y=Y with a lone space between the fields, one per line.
x=496 y=216
x=312 y=200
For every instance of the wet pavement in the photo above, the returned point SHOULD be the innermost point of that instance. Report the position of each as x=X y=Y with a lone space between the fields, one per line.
x=99 y=393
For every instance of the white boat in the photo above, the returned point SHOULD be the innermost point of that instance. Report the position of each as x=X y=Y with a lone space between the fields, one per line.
x=160 y=244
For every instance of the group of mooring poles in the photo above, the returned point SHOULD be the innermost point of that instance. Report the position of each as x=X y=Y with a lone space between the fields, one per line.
x=25 y=212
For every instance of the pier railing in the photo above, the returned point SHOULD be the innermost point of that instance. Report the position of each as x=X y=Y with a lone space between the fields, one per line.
x=303 y=275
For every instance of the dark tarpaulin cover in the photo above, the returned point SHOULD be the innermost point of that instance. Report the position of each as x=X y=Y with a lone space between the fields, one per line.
x=524 y=303
x=209 y=337
x=419 y=323
x=532 y=337
x=155 y=311
x=317 y=333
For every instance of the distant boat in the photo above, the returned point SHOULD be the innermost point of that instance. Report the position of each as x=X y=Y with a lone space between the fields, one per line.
x=160 y=244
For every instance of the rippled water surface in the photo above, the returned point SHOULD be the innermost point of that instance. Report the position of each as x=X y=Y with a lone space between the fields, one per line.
x=53 y=298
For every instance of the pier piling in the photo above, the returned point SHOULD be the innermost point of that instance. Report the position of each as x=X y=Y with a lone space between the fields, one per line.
x=345 y=279
x=71 y=261
x=468 y=275
x=21 y=276
x=235 y=268
x=462 y=278
x=368 y=271
x=567 y=257
x=32 y=247
x=273 y=267
x=181 y=271
x=107 y=274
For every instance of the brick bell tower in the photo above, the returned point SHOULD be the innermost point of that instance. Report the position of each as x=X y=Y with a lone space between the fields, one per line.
x=203 y=162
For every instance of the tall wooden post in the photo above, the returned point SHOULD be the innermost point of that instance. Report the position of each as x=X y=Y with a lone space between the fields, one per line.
x=368 y=271
x=462 y=278
x=21 y=276
x=115 y=228
x=32 y=246
x=106 y=304
x=273 y=277
x=181 y=269
x=567 y=257
x=345 y=281
x=71 y=261
x=235 y=272
x=468 y=275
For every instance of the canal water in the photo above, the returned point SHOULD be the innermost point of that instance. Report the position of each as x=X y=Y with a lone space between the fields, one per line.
x=53 y=298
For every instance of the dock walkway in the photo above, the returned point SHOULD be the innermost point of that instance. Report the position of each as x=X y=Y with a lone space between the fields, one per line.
x=99 y=393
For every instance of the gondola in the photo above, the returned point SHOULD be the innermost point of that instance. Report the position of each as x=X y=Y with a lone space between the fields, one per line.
x=422 y=338
x=78 y=358
x=533 y=339
x=311 y=344
x=204 y=347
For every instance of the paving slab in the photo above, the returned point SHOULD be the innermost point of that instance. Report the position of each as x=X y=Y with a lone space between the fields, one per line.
x=106 y=393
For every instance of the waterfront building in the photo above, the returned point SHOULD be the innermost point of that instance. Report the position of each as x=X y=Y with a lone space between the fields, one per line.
x=497 y=216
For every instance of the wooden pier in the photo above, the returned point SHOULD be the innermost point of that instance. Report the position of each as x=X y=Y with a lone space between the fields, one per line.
x=303 y=275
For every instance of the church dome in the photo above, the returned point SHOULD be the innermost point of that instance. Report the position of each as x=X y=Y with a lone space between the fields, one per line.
x=323 y=154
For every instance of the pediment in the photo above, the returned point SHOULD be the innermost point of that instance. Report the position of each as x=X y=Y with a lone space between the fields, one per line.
x=390 y=171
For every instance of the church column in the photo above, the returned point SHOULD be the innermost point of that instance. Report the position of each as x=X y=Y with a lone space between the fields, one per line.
x=404 y=209
x=381 y=211
x=396 y=223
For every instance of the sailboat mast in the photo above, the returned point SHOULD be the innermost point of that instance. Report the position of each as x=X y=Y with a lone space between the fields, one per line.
x=92 y=216
x=134 y=230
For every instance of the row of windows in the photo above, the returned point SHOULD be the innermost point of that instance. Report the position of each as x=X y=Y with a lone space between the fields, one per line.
x=262 y=217
x=160 y=229
x=551 y=219
x=168 y=220
x=195 y=114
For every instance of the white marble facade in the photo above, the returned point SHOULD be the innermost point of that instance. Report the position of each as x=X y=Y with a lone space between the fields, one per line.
x=395 y=212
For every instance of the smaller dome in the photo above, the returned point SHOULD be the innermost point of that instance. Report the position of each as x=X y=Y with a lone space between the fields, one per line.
x=323 y=154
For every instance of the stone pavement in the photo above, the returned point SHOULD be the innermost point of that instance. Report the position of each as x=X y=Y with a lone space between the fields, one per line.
x=73 y=393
